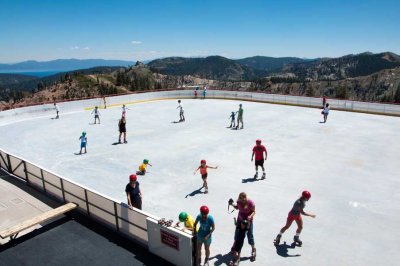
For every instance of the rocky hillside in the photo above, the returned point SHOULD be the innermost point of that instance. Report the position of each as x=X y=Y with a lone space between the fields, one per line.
x=341 y=68
x=212 y=67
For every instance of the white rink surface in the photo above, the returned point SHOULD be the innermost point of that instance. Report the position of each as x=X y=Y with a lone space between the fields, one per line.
x=350 y=166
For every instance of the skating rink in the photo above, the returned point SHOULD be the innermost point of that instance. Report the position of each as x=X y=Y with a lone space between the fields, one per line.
x=350 y=165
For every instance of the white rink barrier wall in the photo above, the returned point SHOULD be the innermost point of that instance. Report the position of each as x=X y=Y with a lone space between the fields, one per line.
x=14 y=115
x=173 y=245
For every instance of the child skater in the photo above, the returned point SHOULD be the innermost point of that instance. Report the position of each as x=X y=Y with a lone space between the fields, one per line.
x=232 y=117
x=96 y=114
x=83 y=140
x=203 y=171
x=295 y=215
x=142 y=167
x=124 y=109
x=241 y=229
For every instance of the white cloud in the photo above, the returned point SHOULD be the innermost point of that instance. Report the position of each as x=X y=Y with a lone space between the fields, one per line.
x=86 y=48
x=136 y=42
x=75 y=47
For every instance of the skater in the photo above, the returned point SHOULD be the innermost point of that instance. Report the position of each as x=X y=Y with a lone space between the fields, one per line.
x=142 y=167
x=133 y=193
x=187 y=220
x=240 y=117
x=323 y=101
x=247 y=210
x=105 y=102
x=232 y=117
x=325 y=112
x=203 y=171
x=204 y=234
x=259 y=151
x=181 y=112
x=241 y=229
x=83 y=140
x=124 y=109
x=96 y=114
x=204 y=92
x=57 y=110
x=295 y=215
x=195 y=93
x=122 y=129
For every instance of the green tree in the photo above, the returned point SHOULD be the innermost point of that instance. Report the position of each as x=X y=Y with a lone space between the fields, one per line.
x=341 y=92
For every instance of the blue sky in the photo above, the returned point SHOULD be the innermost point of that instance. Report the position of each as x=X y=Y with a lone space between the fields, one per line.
x=147 y=29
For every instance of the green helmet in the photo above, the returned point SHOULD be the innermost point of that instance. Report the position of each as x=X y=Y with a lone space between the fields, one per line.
x=183 y=216
x=146 y=161
x=83 y=133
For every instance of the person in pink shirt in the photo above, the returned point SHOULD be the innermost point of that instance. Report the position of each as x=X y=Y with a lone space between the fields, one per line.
x=259 y=151
x=247 y=210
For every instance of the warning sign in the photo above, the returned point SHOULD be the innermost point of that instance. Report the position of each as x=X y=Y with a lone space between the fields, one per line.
x=169 y=239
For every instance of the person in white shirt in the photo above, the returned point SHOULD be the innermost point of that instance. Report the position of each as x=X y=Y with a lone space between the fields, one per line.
x=57 y=110
x=124 y=108
x=96 y=114
x=181 y=112
x=325 y=112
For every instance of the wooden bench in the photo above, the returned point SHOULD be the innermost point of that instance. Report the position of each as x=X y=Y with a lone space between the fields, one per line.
x=13 y=231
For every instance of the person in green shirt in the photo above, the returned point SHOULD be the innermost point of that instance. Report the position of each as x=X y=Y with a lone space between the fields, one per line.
x=240 y=117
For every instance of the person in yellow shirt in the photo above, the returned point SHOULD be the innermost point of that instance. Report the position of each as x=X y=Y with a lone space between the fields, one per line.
x=187 y=221
x=142 y=167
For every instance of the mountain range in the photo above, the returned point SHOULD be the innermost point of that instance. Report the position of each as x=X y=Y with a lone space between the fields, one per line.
x=365 y=76
x=61 y=65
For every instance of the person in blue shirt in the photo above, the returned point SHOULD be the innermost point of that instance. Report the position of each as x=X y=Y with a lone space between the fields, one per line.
x=83 y=140
x=204 y=234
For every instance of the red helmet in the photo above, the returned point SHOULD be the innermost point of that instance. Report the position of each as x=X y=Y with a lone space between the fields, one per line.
x=204 y=210
x=306 y=194
x=132 y=177
x=258 y=141
x=202 y=161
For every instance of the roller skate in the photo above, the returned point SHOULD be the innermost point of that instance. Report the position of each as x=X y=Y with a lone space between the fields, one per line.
x=263 y=176
x=256 y=175
x=277 y=240
x=297 y=241
x=253 y=255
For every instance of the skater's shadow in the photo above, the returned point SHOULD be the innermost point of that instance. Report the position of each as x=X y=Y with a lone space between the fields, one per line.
x=176 y=122
x=282 y=250
x=222 y=259
x=116 y=143
x=321 y=122
x=250 y=179
x=94 y=123
x=53 y=118
x=195 y=192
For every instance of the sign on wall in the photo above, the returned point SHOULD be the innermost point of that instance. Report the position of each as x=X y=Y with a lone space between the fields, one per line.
x=169 y=240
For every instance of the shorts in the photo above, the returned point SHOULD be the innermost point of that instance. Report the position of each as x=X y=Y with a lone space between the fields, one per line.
x=83 y=145
x=293 y=217
x=141 y=172
x=201 y=239
x=259 y=162
x=204 y=176
x=96 y=116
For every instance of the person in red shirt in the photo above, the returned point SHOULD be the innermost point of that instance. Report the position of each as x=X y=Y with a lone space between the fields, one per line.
x=323 y=101
x=259 y=151
x=203 y=171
